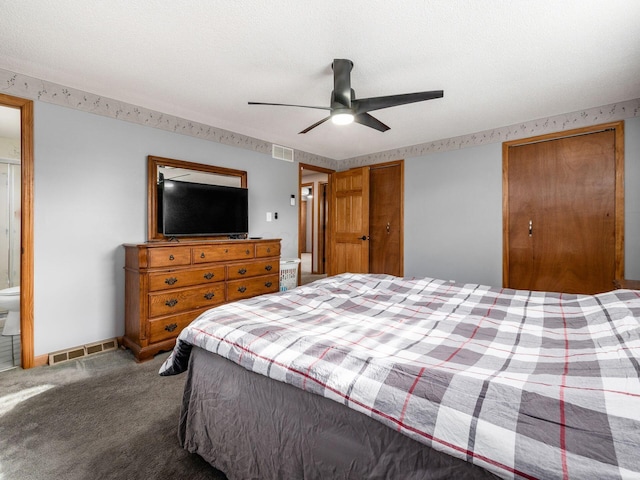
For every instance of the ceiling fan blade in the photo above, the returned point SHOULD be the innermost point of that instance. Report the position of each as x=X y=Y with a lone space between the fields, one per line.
x=342 y=81
x=314 y=125
x=288 y=105
x=369 y=121
x=364 y=105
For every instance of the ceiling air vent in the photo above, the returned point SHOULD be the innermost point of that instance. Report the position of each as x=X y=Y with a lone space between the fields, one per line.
x=282 y=153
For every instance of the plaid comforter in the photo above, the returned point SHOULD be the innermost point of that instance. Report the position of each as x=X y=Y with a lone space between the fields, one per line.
x=524 y=384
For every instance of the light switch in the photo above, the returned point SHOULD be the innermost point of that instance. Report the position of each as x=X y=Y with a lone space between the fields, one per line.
x=268 y=216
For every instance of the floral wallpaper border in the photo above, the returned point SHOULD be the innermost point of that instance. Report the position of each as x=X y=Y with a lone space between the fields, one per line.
x=582 y=118
x=19 y=85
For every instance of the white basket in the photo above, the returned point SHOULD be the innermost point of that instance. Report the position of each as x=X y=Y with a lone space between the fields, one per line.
x=288 y=273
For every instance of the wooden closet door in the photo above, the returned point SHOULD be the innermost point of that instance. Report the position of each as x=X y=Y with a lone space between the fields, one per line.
x=386 y=218
x=562 y=214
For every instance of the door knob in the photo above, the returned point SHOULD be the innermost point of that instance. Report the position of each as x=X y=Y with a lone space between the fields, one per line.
x=364 y=237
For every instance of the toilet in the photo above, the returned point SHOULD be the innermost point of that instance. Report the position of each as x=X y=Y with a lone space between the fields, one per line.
x=10 y=301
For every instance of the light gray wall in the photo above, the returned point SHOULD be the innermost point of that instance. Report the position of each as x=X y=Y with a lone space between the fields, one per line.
x=90 y=198
x=632 y=198
x=453 y=212
x=453 y=215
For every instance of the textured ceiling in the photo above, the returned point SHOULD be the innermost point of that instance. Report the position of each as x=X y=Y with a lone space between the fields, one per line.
x=498 y=62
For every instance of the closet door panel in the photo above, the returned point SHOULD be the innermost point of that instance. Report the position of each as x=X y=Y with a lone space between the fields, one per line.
x=561 y=197
x=386 y=219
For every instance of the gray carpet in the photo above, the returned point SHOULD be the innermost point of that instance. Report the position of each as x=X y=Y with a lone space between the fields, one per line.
x=310 y=277
x=101 y=417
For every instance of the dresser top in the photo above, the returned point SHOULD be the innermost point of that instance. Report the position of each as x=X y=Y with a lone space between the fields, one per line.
x=191 y=242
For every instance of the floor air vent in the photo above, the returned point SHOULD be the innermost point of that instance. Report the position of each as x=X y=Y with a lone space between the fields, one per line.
x=103 y=346
x=83 y=351
x=66 y=355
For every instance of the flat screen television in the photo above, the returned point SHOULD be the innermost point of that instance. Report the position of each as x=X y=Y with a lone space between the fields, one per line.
x=196 y=209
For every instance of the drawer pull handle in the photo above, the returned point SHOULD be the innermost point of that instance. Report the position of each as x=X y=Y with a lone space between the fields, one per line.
x=171 y=303
x=209 y=295
x=209 y=275
x=202 y=255
x=268 y=268
x=246 y=252
x=171 y=327
x=171 y=257
x=268 y=250
x=242 y=289
x=226 y=250
x=170 y=280
x=268 y=284
x=242 y=271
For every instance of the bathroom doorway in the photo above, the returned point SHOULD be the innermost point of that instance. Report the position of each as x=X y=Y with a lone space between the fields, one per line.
x=22 y=211
x=10 y=188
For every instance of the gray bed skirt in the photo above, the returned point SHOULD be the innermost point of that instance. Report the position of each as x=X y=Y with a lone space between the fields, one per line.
x=252 y=427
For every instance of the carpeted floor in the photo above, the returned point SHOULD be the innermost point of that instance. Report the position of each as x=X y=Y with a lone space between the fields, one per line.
x=305 y=270
x=101 y=417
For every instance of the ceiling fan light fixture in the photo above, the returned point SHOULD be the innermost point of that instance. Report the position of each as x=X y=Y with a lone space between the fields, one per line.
x=342 y=118
x=345 y=108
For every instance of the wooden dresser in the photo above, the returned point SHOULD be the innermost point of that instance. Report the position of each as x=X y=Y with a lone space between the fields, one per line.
x=167 y=285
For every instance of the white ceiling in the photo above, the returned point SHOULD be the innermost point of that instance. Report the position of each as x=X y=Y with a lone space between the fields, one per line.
x=499 y=62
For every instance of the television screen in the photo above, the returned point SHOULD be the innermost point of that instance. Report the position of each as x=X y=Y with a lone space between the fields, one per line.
x=196 y=209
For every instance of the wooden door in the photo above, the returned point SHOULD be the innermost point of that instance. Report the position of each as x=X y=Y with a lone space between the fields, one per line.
x=322 y=227
x=563 y=214
x=350 y=221
x=386 y=218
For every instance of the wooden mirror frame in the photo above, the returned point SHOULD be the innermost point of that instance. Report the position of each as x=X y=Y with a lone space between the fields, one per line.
x=152 y=193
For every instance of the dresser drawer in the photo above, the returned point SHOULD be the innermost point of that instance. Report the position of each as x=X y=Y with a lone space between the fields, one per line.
x=170 y=327
x=220 y=253
x=185 y=278
x=181 y=300
x=268 y=249
x=169 y=257
x=249 y=287
x=252 y=269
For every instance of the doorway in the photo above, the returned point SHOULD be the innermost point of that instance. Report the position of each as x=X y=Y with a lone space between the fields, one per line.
x=10 y=183
x=368 y=222
x=22 y=212
x=313 y=222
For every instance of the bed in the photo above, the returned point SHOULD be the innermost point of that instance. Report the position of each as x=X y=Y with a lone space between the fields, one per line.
x=375 y=376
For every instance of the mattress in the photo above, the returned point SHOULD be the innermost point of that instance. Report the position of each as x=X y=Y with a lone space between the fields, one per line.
x=523 y=384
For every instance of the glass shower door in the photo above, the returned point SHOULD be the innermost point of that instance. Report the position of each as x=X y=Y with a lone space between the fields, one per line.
x=9 y=250
x=9 y=224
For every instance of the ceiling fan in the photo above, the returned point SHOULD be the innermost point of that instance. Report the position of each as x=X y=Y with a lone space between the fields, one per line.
x=345 y=108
